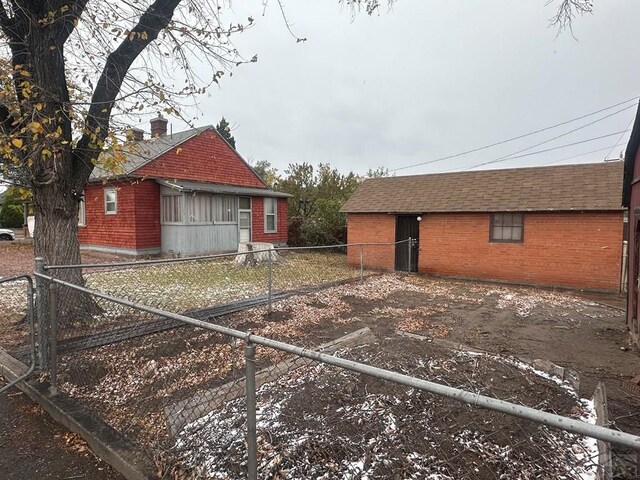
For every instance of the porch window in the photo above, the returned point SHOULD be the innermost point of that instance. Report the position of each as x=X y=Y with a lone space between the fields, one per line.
x=506 y=227
x=200 y=209
x=110 y=201
x=171 y=208
x=270 y=214
x=225 y=209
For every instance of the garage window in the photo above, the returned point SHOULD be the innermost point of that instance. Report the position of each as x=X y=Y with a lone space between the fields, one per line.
x=506 y=227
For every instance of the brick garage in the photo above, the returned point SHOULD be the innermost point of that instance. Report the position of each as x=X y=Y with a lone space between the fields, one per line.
x=185 y=193
x=564 y=224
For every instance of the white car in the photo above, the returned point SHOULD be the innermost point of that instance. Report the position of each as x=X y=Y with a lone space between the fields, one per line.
x=6 y=234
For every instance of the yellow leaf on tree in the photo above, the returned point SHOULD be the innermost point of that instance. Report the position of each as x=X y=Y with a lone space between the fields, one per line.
x=17 y=142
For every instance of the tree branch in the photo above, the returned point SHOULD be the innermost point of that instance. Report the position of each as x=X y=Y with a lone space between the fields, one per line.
x=6 y=120
x=152 y=21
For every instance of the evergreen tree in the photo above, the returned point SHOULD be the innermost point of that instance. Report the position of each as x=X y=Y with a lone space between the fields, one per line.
x=224 y=129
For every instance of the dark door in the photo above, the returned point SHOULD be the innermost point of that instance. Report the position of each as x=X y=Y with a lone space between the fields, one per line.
x=407 y=227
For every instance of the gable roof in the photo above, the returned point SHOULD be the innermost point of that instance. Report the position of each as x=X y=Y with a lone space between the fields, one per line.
x=596 y=186
x=144 y=152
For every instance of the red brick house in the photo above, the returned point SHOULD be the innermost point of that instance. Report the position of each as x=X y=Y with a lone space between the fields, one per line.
x=557 y=226
x=631 y=200
x=186 y=193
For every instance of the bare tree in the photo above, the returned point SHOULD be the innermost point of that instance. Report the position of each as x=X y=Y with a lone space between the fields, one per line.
x=567 y=10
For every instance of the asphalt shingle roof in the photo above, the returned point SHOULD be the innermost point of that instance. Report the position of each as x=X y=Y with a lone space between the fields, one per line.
x=595 y=186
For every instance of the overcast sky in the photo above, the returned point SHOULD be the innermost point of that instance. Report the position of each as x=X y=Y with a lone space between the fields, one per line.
x=428 y=79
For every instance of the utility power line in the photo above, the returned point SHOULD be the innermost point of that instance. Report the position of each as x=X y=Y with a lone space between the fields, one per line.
x=610 y=148
x=448 y=157
x=512 y=155
x=538 y=152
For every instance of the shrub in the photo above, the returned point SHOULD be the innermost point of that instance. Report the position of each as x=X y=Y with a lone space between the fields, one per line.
x=11 y=216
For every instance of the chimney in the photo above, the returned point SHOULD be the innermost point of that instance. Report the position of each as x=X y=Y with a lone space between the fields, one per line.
x=158 y=127
x=136 y=134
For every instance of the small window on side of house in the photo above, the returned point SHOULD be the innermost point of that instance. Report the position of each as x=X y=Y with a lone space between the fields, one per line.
x=506 y=227
x=110 y=201
x=270 y=214
x=82 y=213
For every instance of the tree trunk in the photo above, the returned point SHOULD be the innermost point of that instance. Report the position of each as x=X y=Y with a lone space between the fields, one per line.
x=56 y=240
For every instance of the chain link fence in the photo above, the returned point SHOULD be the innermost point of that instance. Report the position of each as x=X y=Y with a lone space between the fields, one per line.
x=215 y=386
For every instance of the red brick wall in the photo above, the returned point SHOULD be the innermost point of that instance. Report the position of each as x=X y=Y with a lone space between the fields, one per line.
x=580 y=250
x=372 y=228
x=135 y=226
x=257 y=222
x=571 y=249
x=203 y=158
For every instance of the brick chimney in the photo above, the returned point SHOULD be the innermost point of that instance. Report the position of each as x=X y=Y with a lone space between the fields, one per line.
x=136 y=134
x=158 y=127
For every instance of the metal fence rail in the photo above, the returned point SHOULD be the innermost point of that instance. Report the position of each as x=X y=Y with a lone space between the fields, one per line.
x=188 y=403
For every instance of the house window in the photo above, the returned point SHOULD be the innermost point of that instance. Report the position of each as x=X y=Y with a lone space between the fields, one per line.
x=225 y=209
x=82 y=216
x=507 y=227
x=270 y=214
x=200 y=209
x=171 y=208
x=110 y=201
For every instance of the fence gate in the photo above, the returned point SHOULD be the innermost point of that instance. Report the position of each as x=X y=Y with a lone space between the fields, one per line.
x=17 y=333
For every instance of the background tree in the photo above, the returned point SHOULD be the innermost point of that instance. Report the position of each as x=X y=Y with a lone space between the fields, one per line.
x=314 y=209
x=379 y=172
x=224 y=129
x=268 y=173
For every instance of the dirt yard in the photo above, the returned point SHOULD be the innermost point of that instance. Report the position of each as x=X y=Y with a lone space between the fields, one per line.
x=127 y=382
x=131 y=383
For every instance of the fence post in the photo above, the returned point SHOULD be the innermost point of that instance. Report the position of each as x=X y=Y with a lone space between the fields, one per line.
x=409 y=245
x=252 y=441
x=41 y=313
x=270 y=269
x=53 y=339
x=361 y=263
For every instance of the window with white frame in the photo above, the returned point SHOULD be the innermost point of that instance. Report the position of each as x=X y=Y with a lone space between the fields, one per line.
x=82 y=216
x=171 y=208
x=270 y=214
x=225 y=209
x=199 y=206
x=110 y=201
